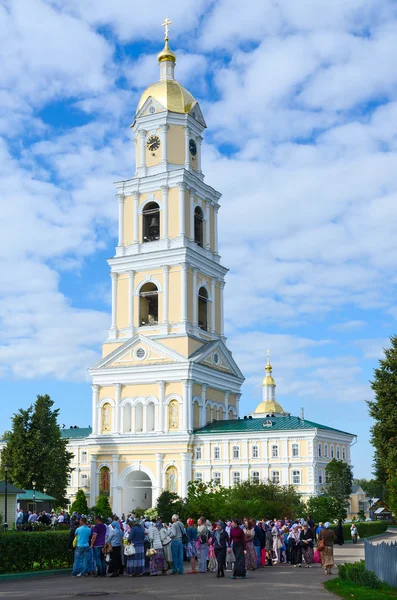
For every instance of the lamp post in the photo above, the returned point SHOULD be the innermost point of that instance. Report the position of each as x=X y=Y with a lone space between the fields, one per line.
x=45 y=491
x=34 y=495
x=6 y=467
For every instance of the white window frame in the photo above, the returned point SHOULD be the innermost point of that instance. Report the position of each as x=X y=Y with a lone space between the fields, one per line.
x=293 y=448
x=343 y=453
x=337 y=453
x=69 y=480
x=217 y=477
x=217 y=450
x=198 y=476
x=236 y=477
x=84 y=457
x=332 y=451
x=255 y=477
x=320 y=450
x=320 y=477
x=84 y=479
x=273 y=476
x=298 y=475
x=236 y=451
x=198 y=453
x=325 y=450
x=275 y=452
x=255 y=451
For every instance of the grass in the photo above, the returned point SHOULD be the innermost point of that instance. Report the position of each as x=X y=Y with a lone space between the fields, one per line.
x=348 y=590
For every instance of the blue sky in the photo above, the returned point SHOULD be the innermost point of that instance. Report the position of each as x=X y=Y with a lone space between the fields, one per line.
x=300 y=102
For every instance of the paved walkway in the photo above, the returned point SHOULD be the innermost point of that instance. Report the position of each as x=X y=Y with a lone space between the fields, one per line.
x=281 y=582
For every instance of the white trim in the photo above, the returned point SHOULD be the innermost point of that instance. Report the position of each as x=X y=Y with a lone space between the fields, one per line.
x=147 y=201
x=148 y=279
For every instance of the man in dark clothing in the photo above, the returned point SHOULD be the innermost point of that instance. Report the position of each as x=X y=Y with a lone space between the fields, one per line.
x=43 y=518
x=97 y=543
x=311 y=523
x=259 y=543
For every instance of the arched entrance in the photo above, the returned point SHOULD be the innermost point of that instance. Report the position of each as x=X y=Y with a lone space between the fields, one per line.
x=137 y=491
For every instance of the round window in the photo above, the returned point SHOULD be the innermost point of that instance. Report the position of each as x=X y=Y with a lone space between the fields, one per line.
x=267 y=423
x=216 y=358
x=152 y=109
x=140 y=353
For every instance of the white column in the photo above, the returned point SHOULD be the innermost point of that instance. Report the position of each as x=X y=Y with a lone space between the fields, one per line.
x=117 y=387
x=187 y=152
x=198 y=142
x=238 y=396
x=144 y=419
x=182 y=203
x=159 y=475
x=120 y=199
x=186 y=471
x=203 y=401
x=164 y=129
x=161 y=385
x=207 y=224
x=213 y=304
x=184 y=291
x=114 y=302
x=95 y=397
x=136 y=218
x=142 y=151
x=189 y=406
x=131 y=300
x=93 y=482
x=195 y=298
x=216 y=208
x=133 y=418
x=227 y=394
x=185 y=405
x=164 y=190
x=166 y=273
x=245 y=450
x=191 y=236
x=221 y=285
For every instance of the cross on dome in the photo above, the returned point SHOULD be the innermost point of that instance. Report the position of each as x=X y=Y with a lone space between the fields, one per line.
x=165 y=24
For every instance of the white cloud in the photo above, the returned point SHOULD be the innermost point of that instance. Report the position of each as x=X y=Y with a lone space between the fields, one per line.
x=348 y=325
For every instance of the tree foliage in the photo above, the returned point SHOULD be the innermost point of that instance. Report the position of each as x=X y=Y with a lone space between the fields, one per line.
x=339 y=482
x=372 y=487
x=168 y=503
x=35 y=450
x=322 y=509
x=383 y=409
x=102 y=507
x=80 y=505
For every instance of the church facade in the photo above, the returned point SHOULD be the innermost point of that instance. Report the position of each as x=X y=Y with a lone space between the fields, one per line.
x=166 y=393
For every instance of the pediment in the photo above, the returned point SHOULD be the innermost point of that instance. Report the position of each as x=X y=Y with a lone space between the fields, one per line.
x=198 y=115
x=216 y=356
x=150 y=107
x=139 y=351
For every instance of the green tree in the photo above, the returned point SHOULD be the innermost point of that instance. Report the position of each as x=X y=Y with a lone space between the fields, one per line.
x=383 y=409
x=372 y=487
x=339 y=481
x=167 y=504
x=361 y=514
x=102 y=507
x=204 y=499
x=80 y=505
x=36 y=451
x=322 y=509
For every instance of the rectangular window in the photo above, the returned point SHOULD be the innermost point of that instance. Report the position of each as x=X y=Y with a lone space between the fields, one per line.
x=255 y=477
x=217 y=478
x=320 y=477
x=319 y=450
x=332 y=452
x=198 y=453
x=69 y=479
x=84 y=480
x=274 y=451
x=337 y=452
x=343 y=453
x=275 y=476
x=236 y=452
x=296 y=477
x=236 y=478
x=255 y=452
x=295 y=450
x=217 y=452
x=84 y=456
x=326 y=450
x=198 y=477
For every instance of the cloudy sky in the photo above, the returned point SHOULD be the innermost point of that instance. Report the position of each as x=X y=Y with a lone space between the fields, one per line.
x=300 y=99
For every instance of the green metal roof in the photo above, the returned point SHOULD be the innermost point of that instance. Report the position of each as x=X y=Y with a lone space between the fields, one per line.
x=76 y=432
x=279 y=423
x=40 y=496
x=11 y=489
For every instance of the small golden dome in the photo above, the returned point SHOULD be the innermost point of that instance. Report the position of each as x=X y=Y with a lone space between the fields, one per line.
x=268 y=407
x=170 y=94
x=166 y=53
x=268 y=380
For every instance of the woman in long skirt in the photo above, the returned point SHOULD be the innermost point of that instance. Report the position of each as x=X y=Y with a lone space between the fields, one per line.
x=191 y=549
x=202 y=545
x=295 y=545
x=327 y=555
x=157 y=562
x=136 y=562
x=250 y=557
x=237 y=539
x=306 y=540
x=166 y=541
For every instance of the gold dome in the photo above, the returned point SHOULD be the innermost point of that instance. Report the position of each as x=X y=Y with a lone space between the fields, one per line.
x=268 y=380
x=170 y=94
x=166 y=53
x=268 y=407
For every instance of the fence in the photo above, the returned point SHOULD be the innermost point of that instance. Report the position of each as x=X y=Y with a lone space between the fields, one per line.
x=382 y=560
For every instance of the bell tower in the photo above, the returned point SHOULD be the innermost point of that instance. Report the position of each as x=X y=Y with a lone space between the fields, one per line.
x=165 y=366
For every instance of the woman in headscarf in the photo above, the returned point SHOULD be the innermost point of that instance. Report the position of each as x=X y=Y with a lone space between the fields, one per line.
x=166 y=542
x=114 y=537
x=157 y=560
x=306 y=540
x=327 y=554
x=340 y=539
x=276 y=542
x=202 y=538
x=136 y=562
x=191 y=549
x=237 y=540
x=295 y=546
x=220 y=540
x=250 y=557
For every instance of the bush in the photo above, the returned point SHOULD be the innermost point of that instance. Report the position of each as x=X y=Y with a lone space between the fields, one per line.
x=365 y=529
x=102 y=507
x=357 y=573
x=80 y=505
x=27 y=552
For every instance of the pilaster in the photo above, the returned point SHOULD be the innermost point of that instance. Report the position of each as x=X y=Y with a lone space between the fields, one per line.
x=186 y=471
x=120 y=200
x=95 y=397
x=113 y=329
x=117 y=388
x=93 y=480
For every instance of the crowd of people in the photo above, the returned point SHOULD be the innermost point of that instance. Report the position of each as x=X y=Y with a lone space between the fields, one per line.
x=26 y=519
x=137 y=547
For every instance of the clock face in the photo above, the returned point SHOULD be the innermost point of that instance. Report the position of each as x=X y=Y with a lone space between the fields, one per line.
x=153 y=143
x=192 y=147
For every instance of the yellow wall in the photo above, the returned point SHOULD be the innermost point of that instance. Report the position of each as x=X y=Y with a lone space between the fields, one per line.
x=106 y=392
x=190 y=295
x=196 y=389
x=173 y=212
x=142 y=389
x=212 y=238
x=153 y=158
x=174 y=388
x=174 y=305
x=108 y=348
x=215 y=395
x=128 y=220
x=176 y=144
x=122 y=301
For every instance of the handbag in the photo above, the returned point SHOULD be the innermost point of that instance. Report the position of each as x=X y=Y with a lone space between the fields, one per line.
x=151 y=552
x=184 y=535
x=167 y=540
x=320 y=545
x=75 y=541
x=129 y=550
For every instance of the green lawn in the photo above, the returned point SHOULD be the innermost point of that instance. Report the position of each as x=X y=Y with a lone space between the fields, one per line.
x=346 y=589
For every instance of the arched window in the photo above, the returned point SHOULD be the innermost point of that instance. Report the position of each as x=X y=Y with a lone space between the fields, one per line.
x=106 y=413
x=231 y=415
x=236 y=452
x=104 y=481
x=199 y=226
x=173 y=415
x=151 y=222
x=202 y=309
x=208 y=414
x=139 y=418
x=196 y=415
x=148 y=304
x=127 y=418
x=150 y=412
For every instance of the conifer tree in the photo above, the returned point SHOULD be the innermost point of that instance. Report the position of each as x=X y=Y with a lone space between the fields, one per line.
x=102 y=507
x=339 y=481
x=80 y=505
x=36 y=451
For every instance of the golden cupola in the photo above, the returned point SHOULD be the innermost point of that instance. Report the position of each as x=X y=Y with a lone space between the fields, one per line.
x=269 y=404
x=168 y=92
